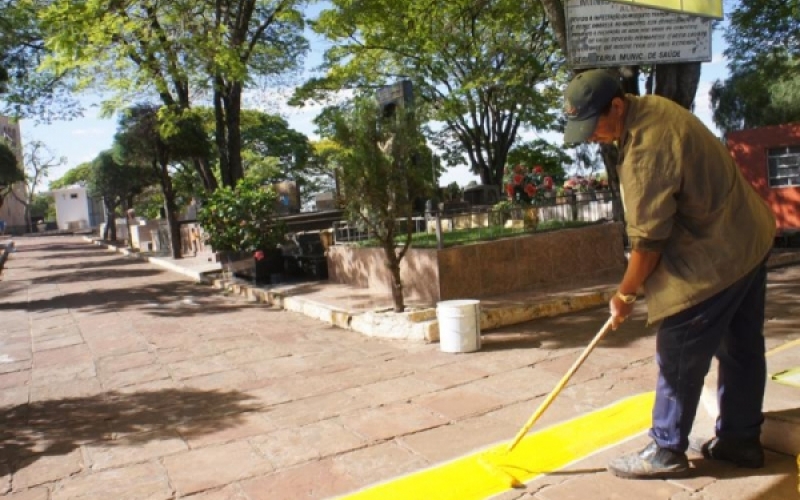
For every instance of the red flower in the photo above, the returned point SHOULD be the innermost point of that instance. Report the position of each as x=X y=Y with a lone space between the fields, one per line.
x=258 y=255
x=538 y=169
x=510 y=189
x=548 y=182
x=518 y=179
x=530 y=189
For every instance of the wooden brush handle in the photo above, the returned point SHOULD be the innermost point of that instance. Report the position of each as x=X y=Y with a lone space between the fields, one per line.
x=564 y=380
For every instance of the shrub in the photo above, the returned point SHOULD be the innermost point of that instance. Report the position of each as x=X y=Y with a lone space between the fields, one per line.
x=242 y=219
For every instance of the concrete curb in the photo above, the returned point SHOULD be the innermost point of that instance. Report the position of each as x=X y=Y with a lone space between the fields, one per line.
x=5 y=249
x=415 y=325
x=783 y=259
x=195 y=275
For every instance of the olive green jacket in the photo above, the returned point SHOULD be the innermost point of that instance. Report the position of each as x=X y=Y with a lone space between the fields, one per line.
x=685 y=197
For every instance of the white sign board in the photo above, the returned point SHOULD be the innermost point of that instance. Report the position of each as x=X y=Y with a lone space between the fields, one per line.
x=601 y=33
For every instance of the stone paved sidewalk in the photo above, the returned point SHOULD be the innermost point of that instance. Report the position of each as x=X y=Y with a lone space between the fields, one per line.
x=120 y=380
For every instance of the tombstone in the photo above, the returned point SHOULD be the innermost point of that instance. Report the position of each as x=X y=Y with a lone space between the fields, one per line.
x=482 y=195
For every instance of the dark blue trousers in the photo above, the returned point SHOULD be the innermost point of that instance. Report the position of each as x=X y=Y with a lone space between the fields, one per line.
x=730 y=326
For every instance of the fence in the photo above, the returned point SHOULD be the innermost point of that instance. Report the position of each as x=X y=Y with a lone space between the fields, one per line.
x=485 y=222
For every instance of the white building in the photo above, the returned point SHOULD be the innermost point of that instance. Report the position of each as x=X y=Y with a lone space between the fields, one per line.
x=72 y=208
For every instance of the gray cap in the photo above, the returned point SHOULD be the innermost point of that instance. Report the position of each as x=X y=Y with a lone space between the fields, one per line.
x=585 y=97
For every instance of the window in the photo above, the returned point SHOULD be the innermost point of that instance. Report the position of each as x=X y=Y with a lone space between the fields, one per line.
x=73 y=196
x=784 y=166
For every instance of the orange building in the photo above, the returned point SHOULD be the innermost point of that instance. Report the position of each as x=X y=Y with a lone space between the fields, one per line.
x=769 y=158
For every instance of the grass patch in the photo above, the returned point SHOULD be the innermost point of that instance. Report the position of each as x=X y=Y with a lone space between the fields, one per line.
x=476 y=235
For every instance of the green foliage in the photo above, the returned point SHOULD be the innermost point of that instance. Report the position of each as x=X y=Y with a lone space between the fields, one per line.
x=765 y=34
x=76 y=175
x=764 y=59
x=747 y=100
x=43 y=206
x=482 y=69
x=29 y=90
x=382 y=170
x=550 y=157
x=115 y=181
x=242 y=219
x=10 y=169
x=169 y=48
x=453 y=192
x=271 y=150
x=477 y=235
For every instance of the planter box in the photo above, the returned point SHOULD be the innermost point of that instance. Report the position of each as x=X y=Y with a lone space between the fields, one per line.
x=538 y=260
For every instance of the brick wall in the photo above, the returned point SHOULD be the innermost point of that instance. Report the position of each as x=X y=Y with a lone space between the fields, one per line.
x=557 y=258
x=749 y=149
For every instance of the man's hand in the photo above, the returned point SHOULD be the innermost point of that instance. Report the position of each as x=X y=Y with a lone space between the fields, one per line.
x=619 y=311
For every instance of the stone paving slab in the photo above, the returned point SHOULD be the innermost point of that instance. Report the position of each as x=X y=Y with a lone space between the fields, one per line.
x=179 y=391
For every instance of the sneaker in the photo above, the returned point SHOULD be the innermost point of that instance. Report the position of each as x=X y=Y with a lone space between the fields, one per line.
x=653 y=462
x=742 y=452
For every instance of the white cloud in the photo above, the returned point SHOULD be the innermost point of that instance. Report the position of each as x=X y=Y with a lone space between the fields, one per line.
x=718 y=58
x=702 y=106
x=88 y=132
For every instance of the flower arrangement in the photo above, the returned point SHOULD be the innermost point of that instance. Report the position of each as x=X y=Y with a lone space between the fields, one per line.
x=527 y=185
x=578 y=184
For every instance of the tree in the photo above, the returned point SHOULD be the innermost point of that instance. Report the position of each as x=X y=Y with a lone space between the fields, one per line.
x=10 y=171
x=272 y=151
x=79 y=174
x=146 y=137
x=480 y=69
x=550 y=157
x=262 y=37
x=746 y=99
x=764 y=59
x=177 y=50
x=117 y=183
x=38 y=160
x=31 y=91
x=382 y=170
x=324 y=167
x=138 y=47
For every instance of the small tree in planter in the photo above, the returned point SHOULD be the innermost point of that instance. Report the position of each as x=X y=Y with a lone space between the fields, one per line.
x=385 y=165
x=243 y=220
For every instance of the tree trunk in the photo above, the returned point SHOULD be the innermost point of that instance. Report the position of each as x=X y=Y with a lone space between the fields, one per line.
x=220 y=134
x=233 y=115
x=678 y=82
x=170 y=208
x=206 y=175
x=393 y=263
x=28 y=217
x=110 y=234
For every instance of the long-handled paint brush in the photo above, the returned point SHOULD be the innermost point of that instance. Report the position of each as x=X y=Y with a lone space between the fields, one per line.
x=495 y=469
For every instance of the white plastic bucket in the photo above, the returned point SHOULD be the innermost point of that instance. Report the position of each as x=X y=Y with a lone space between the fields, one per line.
x=459 y=325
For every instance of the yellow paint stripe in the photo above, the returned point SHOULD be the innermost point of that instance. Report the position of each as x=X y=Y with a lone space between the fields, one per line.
x=783 y=347
x=537 y=454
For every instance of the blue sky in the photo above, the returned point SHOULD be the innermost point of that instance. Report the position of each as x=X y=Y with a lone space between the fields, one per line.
x=80 y=140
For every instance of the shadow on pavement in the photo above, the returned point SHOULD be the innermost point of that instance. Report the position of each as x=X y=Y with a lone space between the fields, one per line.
x=567 y=331
x=171 y=299
x=94 y=275
x=52 y=249
x=60 y=426
x=82 y=265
